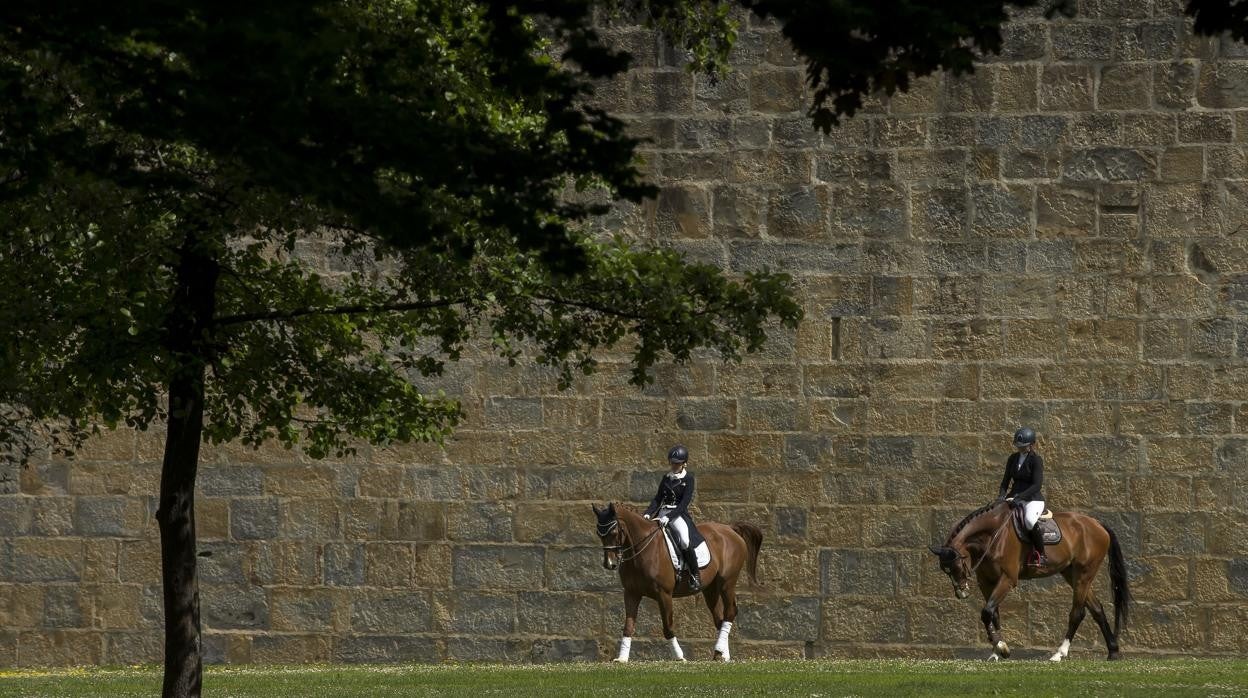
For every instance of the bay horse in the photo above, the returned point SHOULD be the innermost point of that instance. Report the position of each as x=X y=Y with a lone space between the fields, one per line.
x=635 y=546
x=984 y=545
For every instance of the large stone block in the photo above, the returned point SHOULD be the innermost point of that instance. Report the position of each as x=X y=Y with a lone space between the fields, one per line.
x=798 y=213
x=565 y=651
x=383 y=648
x=480 y=522
x=309 y=519
x=110 y=516
x=1125 y=87
x=864 y=620
x=793 y=618
x=863 y=572
x=313 y=481
x=391 y=611
x=59 y=648
x=1066 y=88
x=42 y=560
x=253 y=519
x=475 y=649
x=310 y=610
x=388 y=564
x=296 y=563
x=234 y=607
x=474 y=613
x=1001 y=210
x=560 y=613
x=291 y=649
x=498 y=567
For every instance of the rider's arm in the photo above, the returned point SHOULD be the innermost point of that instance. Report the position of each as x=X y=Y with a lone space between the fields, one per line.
x=1005 y=480
x=654 y=503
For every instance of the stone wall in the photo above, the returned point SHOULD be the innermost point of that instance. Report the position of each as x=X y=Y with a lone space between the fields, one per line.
x=1058 y=240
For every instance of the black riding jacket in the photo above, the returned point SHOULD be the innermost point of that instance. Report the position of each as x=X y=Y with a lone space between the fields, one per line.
x=673 y=492
x=1027 y=479
x=678 y=493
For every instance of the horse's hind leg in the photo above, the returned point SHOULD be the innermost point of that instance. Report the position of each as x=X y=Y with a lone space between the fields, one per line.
x=715 y=602
x=1098 y=613
x=669 y=622
x=1078 y=606
x=725 y=619
x=631 y=602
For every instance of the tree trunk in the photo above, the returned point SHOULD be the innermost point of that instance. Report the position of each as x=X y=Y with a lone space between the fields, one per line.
x=194 y=302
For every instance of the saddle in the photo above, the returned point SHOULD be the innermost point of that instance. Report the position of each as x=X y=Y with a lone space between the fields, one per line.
x=1048 y=525
x=703 y=551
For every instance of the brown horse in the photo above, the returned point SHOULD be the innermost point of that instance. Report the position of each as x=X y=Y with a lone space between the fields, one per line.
x=984 y=545
x=635 y=546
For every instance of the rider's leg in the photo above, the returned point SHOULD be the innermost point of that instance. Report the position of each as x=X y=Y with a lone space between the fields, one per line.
x=691 y=558
x=1032 y=514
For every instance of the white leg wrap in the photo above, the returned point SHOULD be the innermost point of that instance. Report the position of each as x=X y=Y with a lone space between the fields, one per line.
x=626 y=644
x=1061 y=652
x=677 y=653
x=721 y=645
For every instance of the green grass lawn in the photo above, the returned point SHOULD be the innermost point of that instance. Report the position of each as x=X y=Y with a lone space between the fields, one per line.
x=893 y=678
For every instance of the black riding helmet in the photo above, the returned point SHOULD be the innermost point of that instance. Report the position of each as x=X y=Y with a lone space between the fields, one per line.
x=1026 y=436
x=678 y=454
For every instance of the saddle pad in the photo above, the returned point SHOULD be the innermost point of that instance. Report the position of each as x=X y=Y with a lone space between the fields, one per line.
x=703 y=551
x=1047 y=524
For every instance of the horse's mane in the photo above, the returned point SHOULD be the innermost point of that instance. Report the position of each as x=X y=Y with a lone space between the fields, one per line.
x=969 y=517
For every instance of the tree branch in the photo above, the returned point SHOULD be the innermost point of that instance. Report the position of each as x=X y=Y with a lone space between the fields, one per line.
x=281 y=315
x=597 y=307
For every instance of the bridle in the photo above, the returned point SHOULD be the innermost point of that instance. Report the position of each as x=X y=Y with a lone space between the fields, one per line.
x=988 y=548
x=604 y=531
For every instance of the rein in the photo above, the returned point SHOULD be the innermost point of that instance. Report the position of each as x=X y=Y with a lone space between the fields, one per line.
x=636 y=551
x=991 y=542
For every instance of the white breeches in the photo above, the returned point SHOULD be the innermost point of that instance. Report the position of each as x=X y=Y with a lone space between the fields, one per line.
x=677 y=524
x=1032 y=512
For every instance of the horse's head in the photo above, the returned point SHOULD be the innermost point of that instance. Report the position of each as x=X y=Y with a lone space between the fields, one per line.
x=611 y=533
x=956 y=563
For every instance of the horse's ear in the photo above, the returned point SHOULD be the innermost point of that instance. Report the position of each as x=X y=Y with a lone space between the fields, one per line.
x=942 y=553
x=611 y=508
x=935 y=550
x=595 y=508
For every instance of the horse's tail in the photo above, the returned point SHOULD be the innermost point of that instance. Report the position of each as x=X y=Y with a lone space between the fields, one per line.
x=1118 y=578
x=753 y=536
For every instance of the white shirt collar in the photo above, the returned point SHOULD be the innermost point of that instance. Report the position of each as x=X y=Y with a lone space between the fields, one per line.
x=678 y=476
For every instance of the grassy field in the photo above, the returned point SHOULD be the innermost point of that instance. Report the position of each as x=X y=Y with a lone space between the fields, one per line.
x=893 y=678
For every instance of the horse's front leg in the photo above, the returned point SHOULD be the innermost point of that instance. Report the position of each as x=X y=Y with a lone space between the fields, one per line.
x=631 y=602
x=666 y=609
x=992 y=621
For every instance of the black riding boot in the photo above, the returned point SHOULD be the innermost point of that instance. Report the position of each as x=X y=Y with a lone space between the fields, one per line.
x=1037 y=542
x=691 y=566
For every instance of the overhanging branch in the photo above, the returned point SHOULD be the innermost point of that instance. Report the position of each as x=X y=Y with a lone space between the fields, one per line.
x=364 y=309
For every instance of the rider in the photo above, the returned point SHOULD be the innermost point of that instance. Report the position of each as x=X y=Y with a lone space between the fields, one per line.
x=670 y=506
x=1026 y=469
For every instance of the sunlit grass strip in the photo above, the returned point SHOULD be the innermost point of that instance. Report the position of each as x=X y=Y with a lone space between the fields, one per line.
x=899 y=677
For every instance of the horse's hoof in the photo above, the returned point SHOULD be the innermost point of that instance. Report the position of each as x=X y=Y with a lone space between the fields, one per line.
x=1057 y=657
x=617 y=660
x=993 y=657
x=1002 y=649
x=1114 y=656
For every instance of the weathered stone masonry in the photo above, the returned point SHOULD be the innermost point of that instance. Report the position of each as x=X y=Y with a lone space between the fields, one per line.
x=1060 y=240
